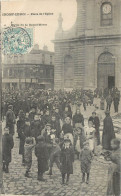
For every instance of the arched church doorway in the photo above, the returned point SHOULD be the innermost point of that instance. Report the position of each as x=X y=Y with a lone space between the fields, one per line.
x=106 y=71
x=68 y=72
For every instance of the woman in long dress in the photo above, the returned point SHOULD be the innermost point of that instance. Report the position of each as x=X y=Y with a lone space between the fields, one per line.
x=114 y=172
x=108 y=132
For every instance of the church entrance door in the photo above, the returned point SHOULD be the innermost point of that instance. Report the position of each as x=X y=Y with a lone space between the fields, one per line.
x=106 y=71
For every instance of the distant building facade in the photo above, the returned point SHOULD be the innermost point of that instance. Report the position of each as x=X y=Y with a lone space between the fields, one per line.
x=35 y=69
x=89 y=54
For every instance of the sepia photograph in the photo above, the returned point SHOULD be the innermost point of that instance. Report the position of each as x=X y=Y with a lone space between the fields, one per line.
x=60 y=94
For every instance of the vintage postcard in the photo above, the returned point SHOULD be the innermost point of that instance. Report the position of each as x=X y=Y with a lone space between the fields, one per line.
x=60 y=84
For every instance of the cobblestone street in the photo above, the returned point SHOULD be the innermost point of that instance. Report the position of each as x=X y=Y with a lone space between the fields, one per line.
x=16 y=183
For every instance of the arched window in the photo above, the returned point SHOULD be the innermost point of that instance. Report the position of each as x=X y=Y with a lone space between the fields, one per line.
x=106 y=14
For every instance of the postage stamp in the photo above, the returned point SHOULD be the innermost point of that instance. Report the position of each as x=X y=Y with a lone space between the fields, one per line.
x=17 y=40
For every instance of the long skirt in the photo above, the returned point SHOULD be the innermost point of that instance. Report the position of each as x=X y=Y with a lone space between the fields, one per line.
x=113 y=187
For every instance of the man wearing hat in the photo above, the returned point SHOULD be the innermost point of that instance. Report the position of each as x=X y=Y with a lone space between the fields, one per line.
x=55 y=125
x=32 y=114
x=116 y=100
x=58 y=115
x=10 y=119
x=46 y=117
x=48 y=134
x=108 y=131
x=109 y=101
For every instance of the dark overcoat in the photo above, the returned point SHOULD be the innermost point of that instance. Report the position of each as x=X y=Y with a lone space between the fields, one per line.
x=41 y=153
x=7 y=145
x=36 y=128
x=78 y=118
x=10 y=121
x=67 y=159
x=108 y=133
x=67 y=128
x=24 y=132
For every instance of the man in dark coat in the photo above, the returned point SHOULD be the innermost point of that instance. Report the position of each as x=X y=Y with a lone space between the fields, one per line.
x=116 y=102
x=10 y=119
x=24 y=132
x=42 y=157
x=67 y=128
x=96 y=124
x=78 y=118
x=109 y=102
x=32 y=114
x=57 y=114
x=7 y=145
x=20 y=121
x=36 y=127
x=108 y=131
x=67 y=113
x=46 y=117
x=55 y=125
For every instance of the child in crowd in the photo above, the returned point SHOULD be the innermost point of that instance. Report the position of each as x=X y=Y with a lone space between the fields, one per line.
x=90 y=136
x=86 y=156
x=67 y=159
x=114 y=169
x=79 y=138
x=28 y=147
x=41 y=153
x=55 y=155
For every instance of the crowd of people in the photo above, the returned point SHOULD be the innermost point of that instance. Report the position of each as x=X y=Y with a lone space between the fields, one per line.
x=51 y=124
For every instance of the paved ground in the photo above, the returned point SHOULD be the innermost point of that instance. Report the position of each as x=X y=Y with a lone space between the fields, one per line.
x=16 y=184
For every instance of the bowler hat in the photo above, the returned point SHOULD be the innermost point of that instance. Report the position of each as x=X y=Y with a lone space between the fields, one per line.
x=67 y=140
x=10 y=107
x=48 y=124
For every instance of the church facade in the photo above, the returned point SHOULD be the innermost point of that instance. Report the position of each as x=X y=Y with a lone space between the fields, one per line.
x=89 y=54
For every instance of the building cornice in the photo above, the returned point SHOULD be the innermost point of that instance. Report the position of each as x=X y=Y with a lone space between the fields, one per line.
x=84 y=38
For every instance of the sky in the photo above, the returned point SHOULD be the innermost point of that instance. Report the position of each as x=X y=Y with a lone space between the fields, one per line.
x=42 y=34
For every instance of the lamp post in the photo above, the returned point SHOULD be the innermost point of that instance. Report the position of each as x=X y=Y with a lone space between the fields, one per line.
x=31 y=75
x=19 y=76
x=34 y=73
x=35 y=70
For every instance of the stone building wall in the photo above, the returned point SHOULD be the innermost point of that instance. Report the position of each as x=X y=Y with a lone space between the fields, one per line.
x=85 y=42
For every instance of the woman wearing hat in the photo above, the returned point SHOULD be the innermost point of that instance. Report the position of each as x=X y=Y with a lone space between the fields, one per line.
x=67 y=159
